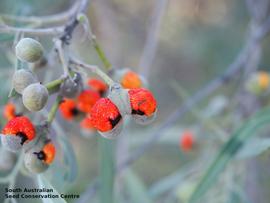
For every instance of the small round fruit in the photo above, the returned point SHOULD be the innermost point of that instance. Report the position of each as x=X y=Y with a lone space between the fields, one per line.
x=143 y=105
x=9 y=111
x=29 y=50
x=38 y=158
x=87 y=99
x=17 y=132
x=21 y=79
x=106 y=118
x=97 y=85
x=187 y=141
x=35 y=97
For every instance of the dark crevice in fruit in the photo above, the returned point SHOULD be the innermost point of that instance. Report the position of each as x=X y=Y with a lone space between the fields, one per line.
x=115 y=121
x=40 y=155
x=75 y=111
x=138 y=112
x=22 y=136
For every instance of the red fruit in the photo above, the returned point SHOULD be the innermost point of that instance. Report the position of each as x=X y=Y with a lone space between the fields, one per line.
x=20 y=126
x=69 y=109
x=187 y=141
x=86 y=123
x=97 y=85
x=47 y=154
x=131 y=80
x=87 y=99
x=105 y=115
x=9 y=111
x=142 y=102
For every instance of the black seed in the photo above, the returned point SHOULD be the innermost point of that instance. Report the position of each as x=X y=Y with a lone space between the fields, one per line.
x=22 y=136
x=115 y=121
x=138 y=112
x=40 y=155
x=75 y=111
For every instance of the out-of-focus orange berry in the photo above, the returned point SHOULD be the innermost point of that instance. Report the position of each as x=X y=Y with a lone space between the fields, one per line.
x=131 y=80
x=97 y=85
x=9 y=111
x=187 y=141
x=87 y=99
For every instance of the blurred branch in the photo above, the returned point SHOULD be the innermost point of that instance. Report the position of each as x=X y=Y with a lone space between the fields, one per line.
x=151 y=43
x=54 y=31
x=43 y=20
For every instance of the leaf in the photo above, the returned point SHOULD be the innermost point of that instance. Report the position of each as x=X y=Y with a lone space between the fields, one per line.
x=170 y=182
x=228 y=151
x=43 y=183
x=253 y=147
x=136 y=188
x=69 y=159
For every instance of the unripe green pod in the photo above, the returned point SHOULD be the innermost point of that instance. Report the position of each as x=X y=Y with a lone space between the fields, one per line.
x=29 y=50
x=11 y=142
x=35 y=97
x=7 y=159
x=31 y=161
x=21 y=79
x=71 y=87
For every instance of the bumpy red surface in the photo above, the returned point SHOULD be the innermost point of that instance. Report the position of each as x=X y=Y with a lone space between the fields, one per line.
x=20 y=124
x=101 y=114
x=97 y=85
x=143 y=100
x=67 y=107
x=87 y=99
x=9 y=111
x=49 y=151
x=187 y=141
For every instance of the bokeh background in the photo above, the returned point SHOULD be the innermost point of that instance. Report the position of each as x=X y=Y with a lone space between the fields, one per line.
x=194 y=43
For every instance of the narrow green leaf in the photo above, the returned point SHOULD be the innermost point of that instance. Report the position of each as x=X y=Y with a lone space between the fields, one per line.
x=136 y=188
x=106 y=169
x=253 y=147
x=228 y=151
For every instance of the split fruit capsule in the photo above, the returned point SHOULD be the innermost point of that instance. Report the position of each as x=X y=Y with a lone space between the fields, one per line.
x=143 y=105
x=86 y=100
x=68 y=109
x=98 y=86
x=39 y=158
x=17 y=132
x=106 y=118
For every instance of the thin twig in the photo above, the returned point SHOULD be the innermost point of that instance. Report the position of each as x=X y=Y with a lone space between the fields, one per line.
x=151 y=43
x=93 y=69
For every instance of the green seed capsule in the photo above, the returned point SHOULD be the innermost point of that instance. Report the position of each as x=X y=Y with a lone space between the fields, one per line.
x=35 y=97
x=32 y=162
x=71 y=87
x=21 y=79
x=29 y=50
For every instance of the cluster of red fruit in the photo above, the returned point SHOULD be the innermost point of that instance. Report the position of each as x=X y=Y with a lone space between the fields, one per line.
x=97 y=107
x=102 y=108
